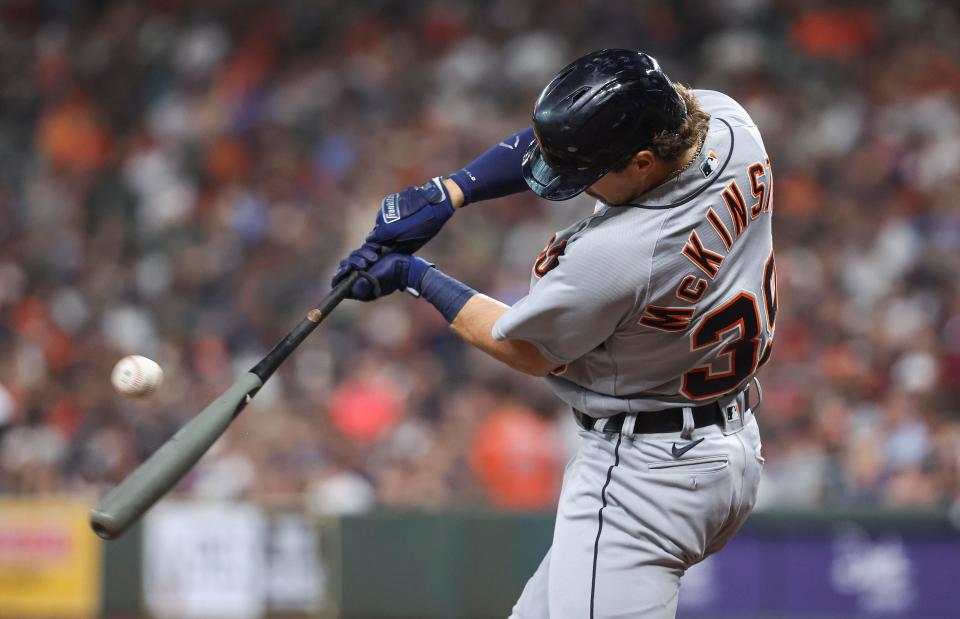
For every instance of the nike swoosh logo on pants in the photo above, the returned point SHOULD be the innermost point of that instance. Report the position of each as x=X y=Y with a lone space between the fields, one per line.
x=679 y=452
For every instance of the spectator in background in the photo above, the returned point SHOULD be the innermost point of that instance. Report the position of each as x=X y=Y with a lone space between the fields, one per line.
x=516 y=456
x=172 y=172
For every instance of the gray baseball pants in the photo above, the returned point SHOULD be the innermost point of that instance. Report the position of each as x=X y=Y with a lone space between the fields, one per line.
x=632 y=518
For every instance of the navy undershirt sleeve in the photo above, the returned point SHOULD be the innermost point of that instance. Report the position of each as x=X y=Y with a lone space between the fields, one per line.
x=445 y=293
x=497 y=172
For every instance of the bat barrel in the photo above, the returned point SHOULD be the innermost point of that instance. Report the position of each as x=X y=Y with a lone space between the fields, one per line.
x=161 y=471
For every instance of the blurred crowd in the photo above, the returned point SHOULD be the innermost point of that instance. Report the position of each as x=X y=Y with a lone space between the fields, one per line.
x=178 y=180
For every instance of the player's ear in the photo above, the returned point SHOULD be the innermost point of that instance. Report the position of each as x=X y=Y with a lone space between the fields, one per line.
x=643 y=161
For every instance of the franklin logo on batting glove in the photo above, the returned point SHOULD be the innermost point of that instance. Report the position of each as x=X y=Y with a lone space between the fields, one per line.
x=391 y=212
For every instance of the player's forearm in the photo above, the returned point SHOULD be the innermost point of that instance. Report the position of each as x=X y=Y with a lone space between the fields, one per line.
x=496 y=173
x=475 y=323
x=455 y=193
x=408 y=219
x=472 y=316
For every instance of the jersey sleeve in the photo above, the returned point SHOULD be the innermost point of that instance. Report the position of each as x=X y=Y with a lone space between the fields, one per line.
x=578 y=304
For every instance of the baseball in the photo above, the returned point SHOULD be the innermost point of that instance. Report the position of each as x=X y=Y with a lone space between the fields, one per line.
x=136 y=376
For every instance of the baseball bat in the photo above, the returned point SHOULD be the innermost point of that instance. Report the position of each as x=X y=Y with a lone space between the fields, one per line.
x=127 y=502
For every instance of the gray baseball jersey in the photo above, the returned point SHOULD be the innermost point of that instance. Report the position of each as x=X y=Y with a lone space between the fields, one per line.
x=669 y=301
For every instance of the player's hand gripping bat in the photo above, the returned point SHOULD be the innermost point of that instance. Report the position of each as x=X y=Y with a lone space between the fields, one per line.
x=161 y=471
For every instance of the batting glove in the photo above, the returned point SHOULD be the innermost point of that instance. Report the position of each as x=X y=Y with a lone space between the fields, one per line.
x=387 y=274
x=358 y=260
x=407 y=220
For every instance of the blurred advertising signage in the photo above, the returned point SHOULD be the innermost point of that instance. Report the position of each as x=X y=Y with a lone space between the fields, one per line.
x=844 y=572
x=228 y=561
x=50 y=564
x=296 y=580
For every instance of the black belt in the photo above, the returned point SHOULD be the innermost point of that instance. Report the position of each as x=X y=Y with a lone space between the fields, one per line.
x=669 y=420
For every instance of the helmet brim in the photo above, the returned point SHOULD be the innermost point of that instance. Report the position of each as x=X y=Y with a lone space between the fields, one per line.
x=553 y=183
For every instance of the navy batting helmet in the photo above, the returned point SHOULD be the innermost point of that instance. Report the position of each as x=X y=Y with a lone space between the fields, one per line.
x=594 y=116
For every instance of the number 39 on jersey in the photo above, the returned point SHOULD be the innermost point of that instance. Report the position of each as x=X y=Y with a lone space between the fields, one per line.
x=739 y=328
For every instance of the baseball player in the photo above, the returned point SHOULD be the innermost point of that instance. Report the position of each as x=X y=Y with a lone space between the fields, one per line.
x=649 y=317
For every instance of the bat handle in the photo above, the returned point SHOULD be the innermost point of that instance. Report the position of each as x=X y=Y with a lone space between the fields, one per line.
x=269 y=364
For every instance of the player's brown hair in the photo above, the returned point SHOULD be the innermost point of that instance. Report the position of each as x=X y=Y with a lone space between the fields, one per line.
x=671 y=145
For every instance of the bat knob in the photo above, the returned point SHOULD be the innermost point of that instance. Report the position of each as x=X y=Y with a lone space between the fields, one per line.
x=103 y=524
